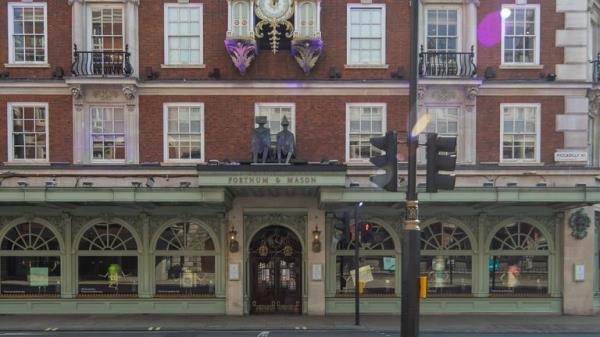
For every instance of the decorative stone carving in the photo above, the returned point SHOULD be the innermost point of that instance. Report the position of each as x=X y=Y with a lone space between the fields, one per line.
x=444 y=95
x=129 y=92
x=421 y=89
x=77 y=93
x=105 y=94
x=471 y=94
x=307 y=53
x=579 y=223
x=242 y=52
x=594 y=101
x=253 y=222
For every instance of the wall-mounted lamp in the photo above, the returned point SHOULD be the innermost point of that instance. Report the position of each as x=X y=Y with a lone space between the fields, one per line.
x=22 y=183
x=185 y=184
x=316 y=244
x=234 y=245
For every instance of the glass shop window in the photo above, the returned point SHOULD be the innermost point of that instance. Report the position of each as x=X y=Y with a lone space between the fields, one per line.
x=35 y=274
x=185 y=262
x=107 y=262
x=518 y=265
x=377 y=275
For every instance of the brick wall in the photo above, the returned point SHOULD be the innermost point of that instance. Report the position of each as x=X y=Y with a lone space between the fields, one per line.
x=229 y=121
x=60 y=124
x=488 y=125
x=59 y=38
x=267 y=65
x=490 y=48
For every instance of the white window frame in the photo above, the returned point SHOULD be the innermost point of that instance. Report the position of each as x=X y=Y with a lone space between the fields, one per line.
x=90 y=134
x=291 y=118
x=89 y=39
x=167 y=62
x=298 y=18
x=11 y=42
x=349 y=64
x=537 y=51
x=538 y=123
x=459 y=28
x=250 y=25
x=383 y=107
x=166 y=107
x=9 y=119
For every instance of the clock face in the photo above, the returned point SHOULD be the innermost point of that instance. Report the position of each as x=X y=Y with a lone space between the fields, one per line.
x=274 y=9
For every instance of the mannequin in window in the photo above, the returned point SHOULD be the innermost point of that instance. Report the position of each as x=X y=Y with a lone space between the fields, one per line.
x=438 y=272
x=511 y=275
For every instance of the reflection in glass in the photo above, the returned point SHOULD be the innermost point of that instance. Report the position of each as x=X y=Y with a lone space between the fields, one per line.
x=30 y=276
x=108 y=275
x=185 y=275
x=518 y=275
x=377 y=275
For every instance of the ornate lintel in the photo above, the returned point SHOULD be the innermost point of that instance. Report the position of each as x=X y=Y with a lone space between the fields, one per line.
x=471 y=94
x=253 y=222
x=307 y=53
x=242 y=52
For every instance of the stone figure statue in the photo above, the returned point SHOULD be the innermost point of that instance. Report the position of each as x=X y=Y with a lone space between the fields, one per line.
x=285 y=142
x=261 y=140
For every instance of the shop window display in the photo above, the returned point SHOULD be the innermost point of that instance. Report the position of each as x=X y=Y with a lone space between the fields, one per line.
x=185 y=262
x=518 y=265
x=377 y=267
x=446 y=260
x=108 y=262
x=29 y=275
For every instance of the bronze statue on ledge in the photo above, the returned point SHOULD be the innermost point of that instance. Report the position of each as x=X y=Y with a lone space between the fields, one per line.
x=285 y=142
x=261 y=140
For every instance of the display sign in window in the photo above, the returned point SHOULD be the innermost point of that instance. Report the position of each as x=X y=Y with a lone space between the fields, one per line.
x=36 y=276
x=101 y=276
x=185 y=276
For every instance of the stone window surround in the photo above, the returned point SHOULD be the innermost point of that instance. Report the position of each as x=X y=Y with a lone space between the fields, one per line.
x=383 y=106
x=11 y=51
x=166 y=158
x=537 y=46
x=291 y=117
x=9 y=131
x=167 y=62
x=382 y=64
x=230 y=18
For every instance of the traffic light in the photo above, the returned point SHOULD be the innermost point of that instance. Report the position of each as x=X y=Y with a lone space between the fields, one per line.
x=342 y=229
x=366 y=234
x=444 y=161
x=387 y=161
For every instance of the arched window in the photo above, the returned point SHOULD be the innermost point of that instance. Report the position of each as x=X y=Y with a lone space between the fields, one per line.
x=29 y=262
x=240 y=19
x=185 y=261
x=519 y=260
x=306 y=22
x=108 y=261
x=446 y=260
x=377 y=267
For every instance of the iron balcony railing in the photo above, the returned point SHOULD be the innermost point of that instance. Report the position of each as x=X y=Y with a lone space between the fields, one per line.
x=111 y=63
x=596 y=69
x=447 y=64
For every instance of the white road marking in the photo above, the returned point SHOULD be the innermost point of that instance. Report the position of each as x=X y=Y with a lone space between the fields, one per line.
x=263 y=334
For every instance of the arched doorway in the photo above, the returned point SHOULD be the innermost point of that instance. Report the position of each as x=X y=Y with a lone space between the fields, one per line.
x=275 y=272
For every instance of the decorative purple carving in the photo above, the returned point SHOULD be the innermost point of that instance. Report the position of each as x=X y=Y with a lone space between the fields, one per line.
x=307 y=53
x=242 y=52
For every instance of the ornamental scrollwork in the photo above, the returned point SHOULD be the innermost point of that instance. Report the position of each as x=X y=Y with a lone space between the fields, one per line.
x=579 y=223
x=242 y=52
x=253 y=222
x=307 y=53
x=274 y=22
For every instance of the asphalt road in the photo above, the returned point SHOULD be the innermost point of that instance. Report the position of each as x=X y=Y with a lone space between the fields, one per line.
x=307 y=333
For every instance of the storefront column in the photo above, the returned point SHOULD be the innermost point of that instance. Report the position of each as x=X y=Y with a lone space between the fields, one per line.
x=67 y=270
x=234 y=283
x=578 y=251
x=315 y=267
x=480 y=271
x=146 y=269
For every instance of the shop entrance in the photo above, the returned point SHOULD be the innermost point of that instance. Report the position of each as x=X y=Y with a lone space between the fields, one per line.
x=275 y=272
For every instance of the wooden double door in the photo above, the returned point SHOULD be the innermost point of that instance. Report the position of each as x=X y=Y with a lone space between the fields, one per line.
x=275 y=272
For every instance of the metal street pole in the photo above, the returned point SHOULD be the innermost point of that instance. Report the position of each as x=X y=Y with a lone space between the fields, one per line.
x=412 y=232
x=356 y=264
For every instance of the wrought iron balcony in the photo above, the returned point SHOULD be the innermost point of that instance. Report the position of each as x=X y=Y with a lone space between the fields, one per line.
x=447 y=64
x=596 y=69
x=101 y=63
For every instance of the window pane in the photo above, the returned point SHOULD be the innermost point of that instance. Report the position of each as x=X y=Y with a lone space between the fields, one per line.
x=184 y=276
x=22 y=276
x=107 y=275
x=518 y=275
x=447 y=275
x=377 y=275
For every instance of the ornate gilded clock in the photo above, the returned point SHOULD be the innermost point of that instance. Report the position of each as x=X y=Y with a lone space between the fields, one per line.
x=274 y=13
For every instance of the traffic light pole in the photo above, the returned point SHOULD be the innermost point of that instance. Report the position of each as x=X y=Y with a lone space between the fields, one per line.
x=412 y=233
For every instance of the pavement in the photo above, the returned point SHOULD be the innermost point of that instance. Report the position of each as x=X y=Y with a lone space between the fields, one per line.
x=488 y=324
